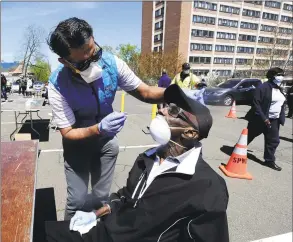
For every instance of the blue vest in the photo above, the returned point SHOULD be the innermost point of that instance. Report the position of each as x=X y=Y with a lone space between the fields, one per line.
x=89 y=102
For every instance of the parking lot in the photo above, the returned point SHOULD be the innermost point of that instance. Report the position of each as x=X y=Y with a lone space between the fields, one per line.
x=257 y=209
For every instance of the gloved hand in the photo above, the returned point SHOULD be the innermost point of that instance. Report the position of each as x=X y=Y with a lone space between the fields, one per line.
x=81 y=219
x=112 y=124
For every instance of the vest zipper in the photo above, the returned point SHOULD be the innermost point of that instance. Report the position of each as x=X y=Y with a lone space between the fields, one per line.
x=96 y=94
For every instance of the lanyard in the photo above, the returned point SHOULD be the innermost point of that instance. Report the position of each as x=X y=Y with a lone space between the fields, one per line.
x=96 y=94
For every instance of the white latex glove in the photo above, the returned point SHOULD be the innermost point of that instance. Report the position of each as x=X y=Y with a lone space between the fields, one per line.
x=81 y=219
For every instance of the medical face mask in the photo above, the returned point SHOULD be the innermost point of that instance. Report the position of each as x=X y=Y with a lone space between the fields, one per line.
x=278 y=80
x=160 y=131
x=186 y=72
x=92 y=73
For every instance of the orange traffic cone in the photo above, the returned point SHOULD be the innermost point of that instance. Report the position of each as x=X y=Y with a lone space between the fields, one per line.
x=237 y=163
x=232 y=113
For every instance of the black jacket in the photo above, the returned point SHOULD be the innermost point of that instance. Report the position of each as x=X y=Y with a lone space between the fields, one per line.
x=262 y=102
x=176 y=207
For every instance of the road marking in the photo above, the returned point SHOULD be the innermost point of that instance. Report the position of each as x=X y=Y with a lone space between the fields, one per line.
x=120 y=147
x=279 y=238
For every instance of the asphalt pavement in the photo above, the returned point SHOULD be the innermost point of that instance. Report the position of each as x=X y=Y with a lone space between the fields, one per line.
x=257 y=209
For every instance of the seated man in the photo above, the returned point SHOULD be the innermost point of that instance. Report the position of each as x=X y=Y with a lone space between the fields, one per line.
x=171 y=194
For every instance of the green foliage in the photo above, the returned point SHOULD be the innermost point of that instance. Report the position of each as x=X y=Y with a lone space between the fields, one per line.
x=41 y=70
x=130 y=54
x=109 y=49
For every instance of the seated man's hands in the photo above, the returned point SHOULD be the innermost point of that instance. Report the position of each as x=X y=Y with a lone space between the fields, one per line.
x=81 y=219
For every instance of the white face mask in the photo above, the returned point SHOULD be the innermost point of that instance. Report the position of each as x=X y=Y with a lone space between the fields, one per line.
x=92 y=73
x=160 y=130
x=278 y=80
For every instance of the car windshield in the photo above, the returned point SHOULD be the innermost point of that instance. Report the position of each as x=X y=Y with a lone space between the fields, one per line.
x=230 y=83
x=38 y=83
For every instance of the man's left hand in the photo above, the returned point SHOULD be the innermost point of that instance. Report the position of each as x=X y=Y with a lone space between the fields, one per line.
x=81 y=219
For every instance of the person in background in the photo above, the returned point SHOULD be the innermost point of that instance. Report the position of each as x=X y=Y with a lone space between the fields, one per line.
x=171 y=193
x=3 y=86
x=23 y=85
x=164 y=82
x=290 y=102
x=266 y=115
x=186 y=79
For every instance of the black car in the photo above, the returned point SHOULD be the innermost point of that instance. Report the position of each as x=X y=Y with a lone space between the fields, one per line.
x=240 y=90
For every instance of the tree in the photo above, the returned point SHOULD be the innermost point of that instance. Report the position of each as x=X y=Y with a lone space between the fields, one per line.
x=33 y=38
x=109 y=48
x=130 y=54
x=41 y=70
x=276 y=52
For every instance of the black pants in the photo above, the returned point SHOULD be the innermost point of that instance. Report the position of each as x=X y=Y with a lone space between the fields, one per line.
x=271 y=136
x=23 y=89
x=59 y=232
x=3 y=89
x=290 y=106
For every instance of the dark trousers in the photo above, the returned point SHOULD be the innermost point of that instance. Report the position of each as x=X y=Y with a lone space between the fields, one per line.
x=59 y=232
x=23 y=89
x=3 y=89
x=271 y=136
x=290 y=106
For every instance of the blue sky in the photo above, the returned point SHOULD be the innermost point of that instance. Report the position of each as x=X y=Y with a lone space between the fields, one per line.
x=114 y=23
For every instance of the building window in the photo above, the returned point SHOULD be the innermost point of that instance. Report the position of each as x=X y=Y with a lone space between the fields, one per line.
x=158 y=37
x=283 y=41
x=224 y=72
x=200 y=60
x=223 y=35
x=270 y=16
x=246 y=25
x=227 y=22
x=224 y=48
x=159 y=2
x=241 y=61
x=267 y=28
x=228 y=9
x=278 y=62
x=286 y=19
x=273 y=4
x=204 y=47
x=265 y=40
x=202 y=33
x=159 y=12
x=285 y=30
x=244 y=37
x=205 y=5
x=288 y=7
x=254 y=2
x=218 y=60
x=241 y=49
x=251 y=13
x=157 y=48
x=159 y=25
x=262 y=51
x=203 y=19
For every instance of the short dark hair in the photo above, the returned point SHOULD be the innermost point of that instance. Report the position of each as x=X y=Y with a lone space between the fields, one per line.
x=273 y=71
x=70 y=33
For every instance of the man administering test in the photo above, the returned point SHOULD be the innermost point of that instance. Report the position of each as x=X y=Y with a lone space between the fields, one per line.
x=81 y=92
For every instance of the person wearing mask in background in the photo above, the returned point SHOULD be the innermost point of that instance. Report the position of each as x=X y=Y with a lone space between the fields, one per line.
x=3 y=87
x=186 y=79
x=164 y=82
x=290 y=102
x=267 y=113
x=81 y=92
x=171 y=193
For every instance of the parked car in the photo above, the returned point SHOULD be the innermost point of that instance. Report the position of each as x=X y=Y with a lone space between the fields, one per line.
x=15 y=86
x=235 y=89
x=38 y=86
x=286 y=83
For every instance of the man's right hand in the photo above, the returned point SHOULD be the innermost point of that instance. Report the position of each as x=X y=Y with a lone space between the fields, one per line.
x=112 y=124
x=268 y=123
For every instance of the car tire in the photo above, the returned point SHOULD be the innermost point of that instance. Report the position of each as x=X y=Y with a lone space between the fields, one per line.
x=228 y=100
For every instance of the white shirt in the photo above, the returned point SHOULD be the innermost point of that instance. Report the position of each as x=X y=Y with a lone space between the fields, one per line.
x=185 y=163
x=63 y=114
x=278 y=100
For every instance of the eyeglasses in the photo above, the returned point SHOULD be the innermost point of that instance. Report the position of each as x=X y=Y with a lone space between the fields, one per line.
x=280 y=74
x=177 y=112
x=81 y=66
